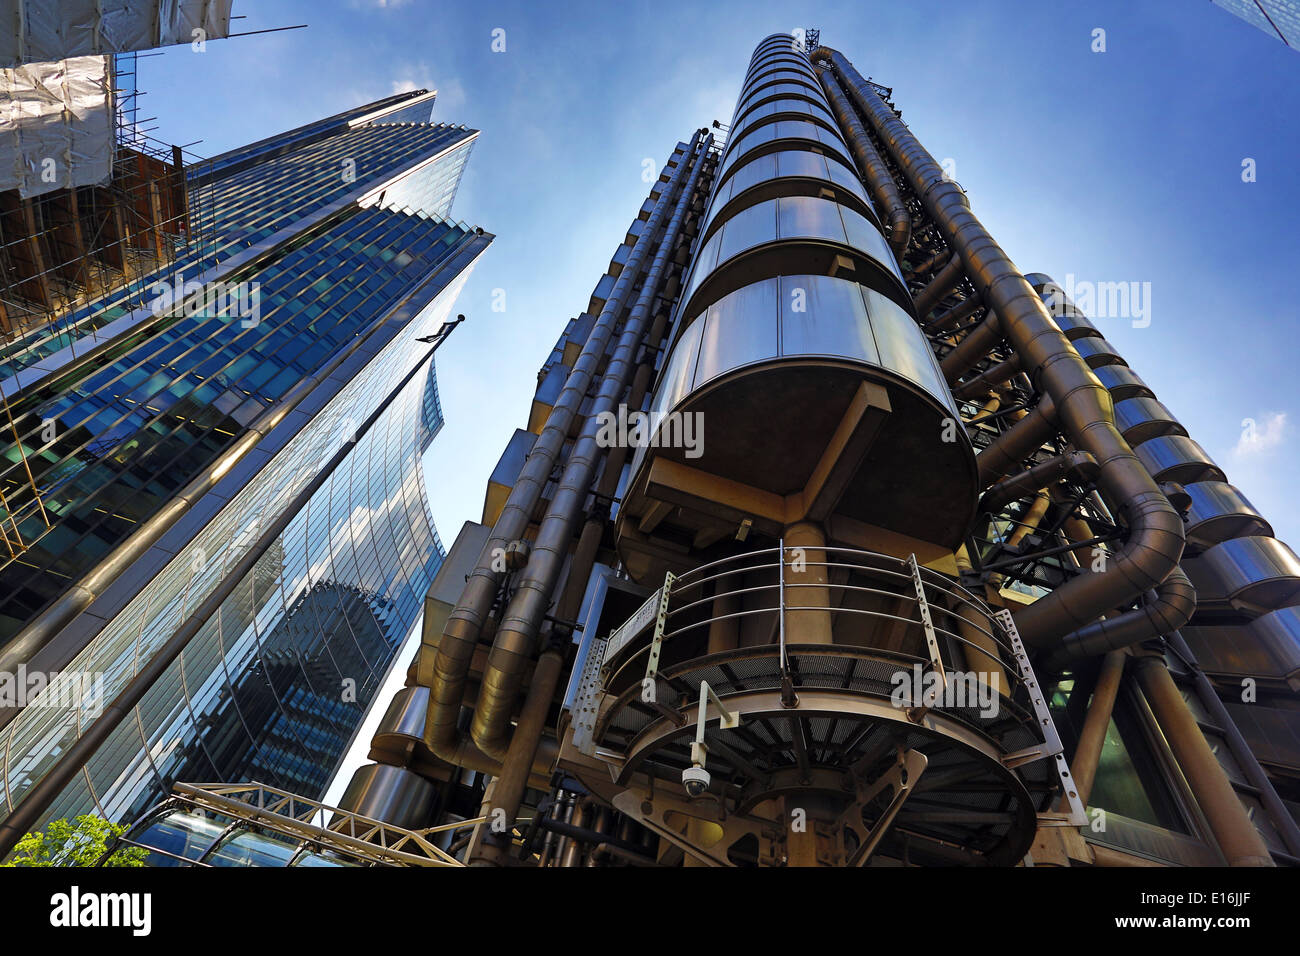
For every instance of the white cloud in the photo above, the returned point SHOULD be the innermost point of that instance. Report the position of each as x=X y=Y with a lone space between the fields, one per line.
x=1258 y=437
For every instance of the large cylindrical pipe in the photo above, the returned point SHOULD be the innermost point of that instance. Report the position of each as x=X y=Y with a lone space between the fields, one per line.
x=465 y=622
x=514 y=645
x=1236 y=835
x=883 y=188
x=985 y=382
x=1005 y=453
x=1087 y=753
x=1083 y=406
x=508 y=793
x=806 y=585
x=1171 y=606
x=1277 y=811
x=1045 y=473
x=943 y=283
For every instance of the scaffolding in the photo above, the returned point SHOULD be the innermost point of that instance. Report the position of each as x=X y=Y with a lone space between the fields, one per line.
x=74 y=259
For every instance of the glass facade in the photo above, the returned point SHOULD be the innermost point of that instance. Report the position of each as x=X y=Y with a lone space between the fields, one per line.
x=108 y=448
x=302 y=620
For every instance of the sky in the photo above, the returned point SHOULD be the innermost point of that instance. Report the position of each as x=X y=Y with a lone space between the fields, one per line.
x=1123 y=164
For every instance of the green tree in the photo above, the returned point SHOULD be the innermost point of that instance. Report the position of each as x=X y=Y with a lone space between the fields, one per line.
x=80 y=842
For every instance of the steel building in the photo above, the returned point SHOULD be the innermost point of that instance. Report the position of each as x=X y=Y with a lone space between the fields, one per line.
x=217 y=528
x=832 y=538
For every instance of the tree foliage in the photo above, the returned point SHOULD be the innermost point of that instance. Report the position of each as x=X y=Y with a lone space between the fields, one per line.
x=79 y=842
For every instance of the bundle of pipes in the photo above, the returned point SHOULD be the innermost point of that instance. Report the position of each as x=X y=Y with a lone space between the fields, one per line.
x=490 y=744
x=1080 y=405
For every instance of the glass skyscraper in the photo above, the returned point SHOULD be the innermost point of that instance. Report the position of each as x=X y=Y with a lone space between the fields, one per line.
x=217 y=527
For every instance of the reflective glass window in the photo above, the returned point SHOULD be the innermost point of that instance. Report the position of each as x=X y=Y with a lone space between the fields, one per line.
x=902 y=347
x=865 y=236
x=841 y=175
x=747 y=228
x=798 y=162
x=739 y=328
x=809 y=216
x=704 y=262
x=680 y=371
x=754 y=172
x=821 y=315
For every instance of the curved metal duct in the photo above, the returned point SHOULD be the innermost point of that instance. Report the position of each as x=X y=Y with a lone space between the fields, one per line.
x=883 y=187
x=1253 y=574
x=1083 y=406
x=1005 y=453
x=1122 y=382
x=1178 y=458
x=982 y=383
x=514 y=646
x=943 y=283
x=1219 y=511
x=391 y=795
x=946 y=320
x=1142 y=419
x=1171 y=606
x=460 y=634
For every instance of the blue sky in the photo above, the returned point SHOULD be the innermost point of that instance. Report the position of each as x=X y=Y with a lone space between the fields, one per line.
x=1115 y=166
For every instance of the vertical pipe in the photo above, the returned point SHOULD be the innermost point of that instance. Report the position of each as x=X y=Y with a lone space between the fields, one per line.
x=1236 y=835
x=1084 y=407
x=508 y=793
x=1087 y=754
x=461 y=632
x=515 y=642
x=807 y=588
x=1276 y=809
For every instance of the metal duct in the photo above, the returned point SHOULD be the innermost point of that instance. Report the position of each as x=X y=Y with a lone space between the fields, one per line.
x=1172 y=606
x=1083 y=406
x=514 y=646
x=984 y=382
x=939 y=286
x=1005 y=453
x=1036 y=478
x=455 y=652
x=947 y=320
x=883 y=187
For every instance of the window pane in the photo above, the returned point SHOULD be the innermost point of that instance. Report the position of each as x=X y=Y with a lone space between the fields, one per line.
x=863 y=235
x=821 y=315
x=902 y=347
x=798 y=162
x=677 y=376
x=753 y=173
x=741 y=328
x=809 y=216
x=748 y=228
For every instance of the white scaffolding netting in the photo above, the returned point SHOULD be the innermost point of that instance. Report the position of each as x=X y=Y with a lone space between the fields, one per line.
x=36 y=31
x=56 y=125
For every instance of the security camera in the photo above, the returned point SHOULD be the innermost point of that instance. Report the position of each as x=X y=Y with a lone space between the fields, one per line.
x=696 y=780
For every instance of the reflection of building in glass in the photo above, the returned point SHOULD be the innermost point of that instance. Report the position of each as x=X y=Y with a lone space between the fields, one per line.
x=226 y=516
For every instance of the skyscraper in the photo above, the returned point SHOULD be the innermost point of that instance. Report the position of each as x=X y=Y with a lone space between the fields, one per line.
x=856 y=545
x=218 y=530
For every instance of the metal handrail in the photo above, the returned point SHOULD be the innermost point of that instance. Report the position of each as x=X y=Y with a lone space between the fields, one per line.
x=935 y=590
